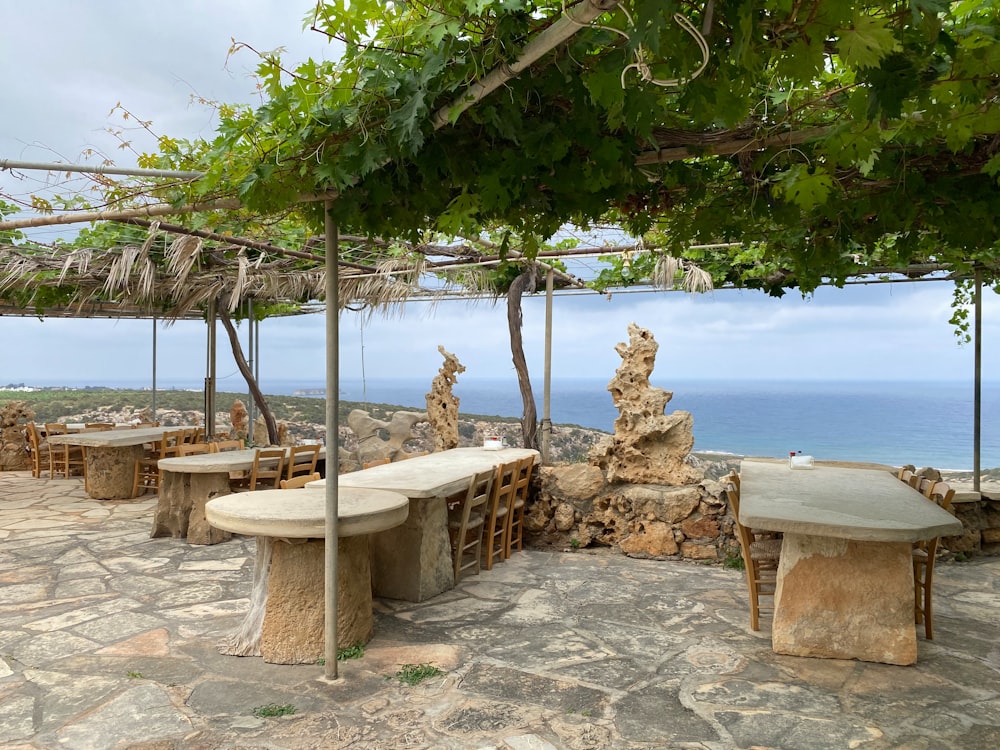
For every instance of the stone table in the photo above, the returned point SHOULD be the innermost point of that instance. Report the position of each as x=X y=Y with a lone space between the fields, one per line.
x=413 y=561
x=187 y=483
x=845 y=578
x=285 y=623
x=111 y=457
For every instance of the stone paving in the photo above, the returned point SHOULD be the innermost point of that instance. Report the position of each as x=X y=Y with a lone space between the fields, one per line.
x=107 y=641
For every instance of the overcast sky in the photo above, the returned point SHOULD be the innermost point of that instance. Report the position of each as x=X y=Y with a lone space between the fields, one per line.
x=69 y=64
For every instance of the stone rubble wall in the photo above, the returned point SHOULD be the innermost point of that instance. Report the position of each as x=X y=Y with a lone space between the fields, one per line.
x=574 y=506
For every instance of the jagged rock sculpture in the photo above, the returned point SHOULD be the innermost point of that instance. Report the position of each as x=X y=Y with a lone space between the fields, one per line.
x=648 y=446
x=13 y=439
x=371 y=445
x=239 y=419
x=442 y=404
x=260 y=436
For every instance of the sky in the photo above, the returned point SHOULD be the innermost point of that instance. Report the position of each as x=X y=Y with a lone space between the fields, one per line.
x=75 y=62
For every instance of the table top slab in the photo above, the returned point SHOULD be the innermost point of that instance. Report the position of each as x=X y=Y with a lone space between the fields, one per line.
x=860 y=504
x=117 y=438
x=215 y=463
x=301 y=513
x=434 y=475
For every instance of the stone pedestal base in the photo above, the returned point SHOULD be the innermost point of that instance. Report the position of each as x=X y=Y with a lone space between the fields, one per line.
x=180 y=509
x=845 y=599
x=413 y=561
x=285 y=623
x=110 y=471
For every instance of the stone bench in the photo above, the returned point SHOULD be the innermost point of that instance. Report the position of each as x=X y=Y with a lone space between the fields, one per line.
x=285 y=624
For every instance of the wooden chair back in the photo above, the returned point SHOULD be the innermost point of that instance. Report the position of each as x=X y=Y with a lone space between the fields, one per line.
x=38 y=450
x=375 y=462
x=501 y=503
x=515 y=519
x=301 y=460
x=760 y=559
x=924 y=555
x=267 y=466
x=189 y=449
x=298 y=481
x=465 y=524
x=403 y=455
x=64 y=459
x=221 y=446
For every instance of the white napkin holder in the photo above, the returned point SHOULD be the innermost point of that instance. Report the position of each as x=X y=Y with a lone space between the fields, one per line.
x=799 y=461
x=492 y=444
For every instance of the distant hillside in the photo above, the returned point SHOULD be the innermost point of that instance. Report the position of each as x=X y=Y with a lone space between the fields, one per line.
x=305 y=417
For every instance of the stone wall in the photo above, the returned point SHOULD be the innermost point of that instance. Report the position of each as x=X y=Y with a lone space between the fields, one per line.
x=14 y=456
x=573 y=505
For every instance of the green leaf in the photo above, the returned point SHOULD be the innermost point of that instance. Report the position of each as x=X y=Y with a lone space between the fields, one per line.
x=804 y=187
x=864 y=45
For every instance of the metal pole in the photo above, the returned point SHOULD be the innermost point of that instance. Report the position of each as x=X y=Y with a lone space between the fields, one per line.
x=210 y=377
x=547 y=382
x=99 y=169
x=154 y=369
x=977 y=399
x=332 y=441
x=251 y=405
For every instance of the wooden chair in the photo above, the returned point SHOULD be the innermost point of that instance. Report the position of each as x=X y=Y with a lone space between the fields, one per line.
x=98 y=426
x=760 y=559
x=221 y=446
x=923 y=485
x=301 y=460
x=924 y=553
x=501 y=502
x=515 y=519
x=38 y=449
x=189 y=449
x=65 y=459
x=465 y=524
x=299 y=481
x=403 y=455
x=375 y=462
x=267 y=466
x=146 y=476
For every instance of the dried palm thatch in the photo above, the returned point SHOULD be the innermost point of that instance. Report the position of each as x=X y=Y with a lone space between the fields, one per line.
x=178 y=280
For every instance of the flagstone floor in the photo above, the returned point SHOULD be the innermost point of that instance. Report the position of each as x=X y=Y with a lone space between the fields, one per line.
x=107 y=641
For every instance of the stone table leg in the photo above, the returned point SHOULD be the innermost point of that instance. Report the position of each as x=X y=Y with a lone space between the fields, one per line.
x=293 y=629
x=201 y=488
x=845 y=599
x=180 y=507
x=110 y=471
x=413 y=561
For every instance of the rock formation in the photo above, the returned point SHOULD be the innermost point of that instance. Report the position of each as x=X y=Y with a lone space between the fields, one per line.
x=239 y=420
x=642 y=490
x=442 y=404
x=13 y=439
x=648 y=446
x=260 y=436
x=372 y=446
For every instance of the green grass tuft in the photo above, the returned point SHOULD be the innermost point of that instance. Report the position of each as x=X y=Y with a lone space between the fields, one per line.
x=414 y=674
x=273 y=709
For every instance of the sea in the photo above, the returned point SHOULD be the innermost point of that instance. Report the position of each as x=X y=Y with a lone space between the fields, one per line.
x=921 y=423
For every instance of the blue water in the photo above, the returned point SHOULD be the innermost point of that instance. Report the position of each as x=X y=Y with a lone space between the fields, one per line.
x=926 y=424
